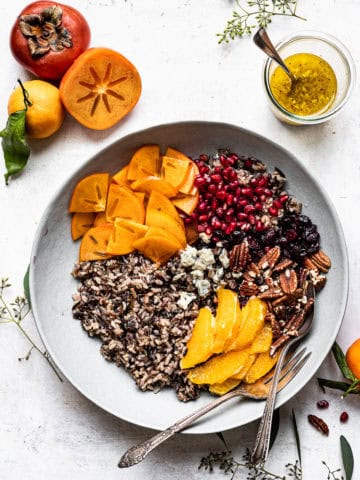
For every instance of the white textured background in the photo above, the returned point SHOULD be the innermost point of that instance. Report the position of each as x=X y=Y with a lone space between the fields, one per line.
x=47 y=429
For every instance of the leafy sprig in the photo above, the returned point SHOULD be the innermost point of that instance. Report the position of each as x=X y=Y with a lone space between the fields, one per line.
x=14 y=313
x=353 y=384
x=256 y=13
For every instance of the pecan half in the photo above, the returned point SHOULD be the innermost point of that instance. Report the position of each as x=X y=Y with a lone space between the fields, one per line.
x=247 y=289
x=321 y=261
x=288 y=281
x=309 y=265
x=239 y=257
x=271 y=294
x=269 y=259
x=283 y=265
x=319 y=424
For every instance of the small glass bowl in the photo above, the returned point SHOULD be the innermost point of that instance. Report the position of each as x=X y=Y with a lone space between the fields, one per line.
x=326 y=47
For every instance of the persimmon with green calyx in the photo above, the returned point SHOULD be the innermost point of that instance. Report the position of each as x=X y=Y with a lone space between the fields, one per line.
x=47 y=37
x=100 y=88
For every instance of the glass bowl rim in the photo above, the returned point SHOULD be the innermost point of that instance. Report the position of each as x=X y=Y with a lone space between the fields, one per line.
x=341 y=49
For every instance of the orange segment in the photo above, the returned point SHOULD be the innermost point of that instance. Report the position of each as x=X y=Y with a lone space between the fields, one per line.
x=151 y=183
x=100 y=88
x=186 y=203
x=124 y=234
x=157 y=218
x=262 y=365
x=145 y=162
x=224 y=387
x=94 y=243
x=227 y=316
x=89 y=194
x=80 y=224
x=175 y=171
x=219 y=368
x=199 y=347
x=124 y=203
x=263 y=340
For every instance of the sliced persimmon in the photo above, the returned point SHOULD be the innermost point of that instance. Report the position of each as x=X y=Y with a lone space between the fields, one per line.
x=186 y=203
x=158 y=201
x=161 y=232
x=80 y=224
x=145 y=162
x=121 y=178
x=188 y=186
x=123 y=202
x=100 y=219
x=94 y=243
x=151 y=183
x=162 y=219
x=175 y=171
x=124 y=234
x=89 y=194
x=191 y=233
x=100 y=88
x=156 y=247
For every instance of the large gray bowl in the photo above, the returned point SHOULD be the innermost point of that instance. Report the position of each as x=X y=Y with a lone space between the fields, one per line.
x=78 y=357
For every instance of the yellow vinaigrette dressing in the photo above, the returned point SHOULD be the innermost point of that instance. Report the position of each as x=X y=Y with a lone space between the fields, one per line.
x=314 y=90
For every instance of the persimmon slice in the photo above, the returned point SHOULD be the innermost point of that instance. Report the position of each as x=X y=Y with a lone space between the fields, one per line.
x=154 y=218
x=175 y=171
x=186 y=203
x=151 y=183
x=145 y=162
x=156 y=247
x=100 y=88
x=122 y=202
x=89 y=194
x=94 y=243
x=100 y=219
x=188 y=186
x=158 y=201
x=121 y=178
x=80 y=224
x=124 y=234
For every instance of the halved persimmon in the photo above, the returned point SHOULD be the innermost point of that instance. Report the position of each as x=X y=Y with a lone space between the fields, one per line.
x=151 y=183
x=123 y=202
x=186 y=203
x=94 y=243
x=124 y=234
x=175 y=171
x=89 y=194
x=145 y=162
x=80 y=224
x=100 y=88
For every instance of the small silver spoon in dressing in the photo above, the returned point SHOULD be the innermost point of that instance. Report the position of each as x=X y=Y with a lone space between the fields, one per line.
x=262 y=40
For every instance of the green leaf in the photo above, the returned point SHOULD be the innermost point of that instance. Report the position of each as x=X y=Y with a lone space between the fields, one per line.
x=341 y=361
x=221 y=436
x=347 y=457
x=297 y=437
x=26 y=285
x=14 y=145
x=343 y=386
x=274 y=427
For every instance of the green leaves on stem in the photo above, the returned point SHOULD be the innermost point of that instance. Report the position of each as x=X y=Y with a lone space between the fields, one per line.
x=14 y=145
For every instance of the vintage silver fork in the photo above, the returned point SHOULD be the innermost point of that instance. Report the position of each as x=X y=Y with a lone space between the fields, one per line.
x=257 y=391
x=260 y=451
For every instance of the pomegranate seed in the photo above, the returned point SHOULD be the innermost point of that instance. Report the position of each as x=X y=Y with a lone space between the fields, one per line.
x=215 y=222
x=229 y=199
x=238 y=191
x=249 y=208
x=254 y=182
x=217 y=169
x=220 y=212
x=260 y=190
x=277 y=204
x=208 y=230
x=233 y=175
x=243 y=202
x=251 y=219
x=221 y=195
x=215 y=239
x=212 y=188
x=273 y=211
x=216 y=177
x=242 y=216
x=223 y=226
x=247 y=191
x=234 y=185
x=230 y=228
x=258 y=206
x=214 y=204
x=344 y=417
x=268 y=192
x=199 y=181
x=204 y=169
x=248 y=163
x=263 y=181
x=259 y=226
x=204 y=157
x=187 y=220
x=283 y=199
x=245 y=226
x=201 y=228
x=234 y=157
x=203 y=218
x=224 y=161
x=262 y=198
x=202 y=207
x=227 y=172
x=322 y=404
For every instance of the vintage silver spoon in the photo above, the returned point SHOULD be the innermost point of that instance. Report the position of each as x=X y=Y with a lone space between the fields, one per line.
x=262 y=40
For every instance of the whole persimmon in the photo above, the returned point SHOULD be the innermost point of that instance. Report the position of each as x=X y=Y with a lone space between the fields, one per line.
x=44 y=114
x=353 y=358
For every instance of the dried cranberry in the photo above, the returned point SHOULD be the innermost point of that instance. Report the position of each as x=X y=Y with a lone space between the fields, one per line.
x=344 y=417
x=322 y=404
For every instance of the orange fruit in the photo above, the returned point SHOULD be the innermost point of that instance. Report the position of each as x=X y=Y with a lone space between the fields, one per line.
x=45 y=115
x=353 y=358
x=100 y=88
